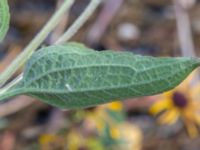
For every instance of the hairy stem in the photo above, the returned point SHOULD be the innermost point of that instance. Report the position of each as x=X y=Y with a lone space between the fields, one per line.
x=79 y=22
x=11 y=84
x=35 y=43
x=66 y=36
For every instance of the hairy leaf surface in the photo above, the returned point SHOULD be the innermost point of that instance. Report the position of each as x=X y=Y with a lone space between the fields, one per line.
x=74 y=76
x=4 y=18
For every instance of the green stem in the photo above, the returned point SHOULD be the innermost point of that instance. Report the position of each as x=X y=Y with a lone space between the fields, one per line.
x=11 y=84
x=36 y=42
x=11 y=93
x=79 y=22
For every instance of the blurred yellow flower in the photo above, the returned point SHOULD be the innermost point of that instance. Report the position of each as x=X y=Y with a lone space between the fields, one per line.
x=115 y=106
x=115 y=133
x=182 y=102
x=74 y=140
x=51 y=142
x=47 y=138
x=132 y=137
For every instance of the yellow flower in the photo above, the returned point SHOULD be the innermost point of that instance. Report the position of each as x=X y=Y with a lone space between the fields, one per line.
x=51 y=142
x=115 y=106
x=115 y=133
x=74 y=140
x=46 y=138
x=131 y=136
x=182 y=102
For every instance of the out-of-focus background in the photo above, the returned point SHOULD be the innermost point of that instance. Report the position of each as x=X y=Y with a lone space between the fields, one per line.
x=169 y=121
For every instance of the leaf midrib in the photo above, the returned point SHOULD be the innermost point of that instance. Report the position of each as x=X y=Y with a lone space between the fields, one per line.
x=91 y=66
x=34 y=90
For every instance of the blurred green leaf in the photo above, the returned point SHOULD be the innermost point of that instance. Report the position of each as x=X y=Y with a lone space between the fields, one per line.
x=4 y=18
x=94 y=143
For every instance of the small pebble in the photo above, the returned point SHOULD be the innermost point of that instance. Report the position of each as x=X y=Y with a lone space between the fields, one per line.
x=128 y=31
x=187 y=4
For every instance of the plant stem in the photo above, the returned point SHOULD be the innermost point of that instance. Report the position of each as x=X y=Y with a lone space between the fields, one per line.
x=79 y=22
x=35 y=43
x=43 y=34
x=184 y=30
x=11 y=84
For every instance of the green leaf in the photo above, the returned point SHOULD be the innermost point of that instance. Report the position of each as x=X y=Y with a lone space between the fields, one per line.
x=74 y=76
x=4 y=18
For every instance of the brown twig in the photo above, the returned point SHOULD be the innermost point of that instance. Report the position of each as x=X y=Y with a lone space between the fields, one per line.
x=106 y=15
x=58 y=31
x=15 y=105
x=184 y=29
